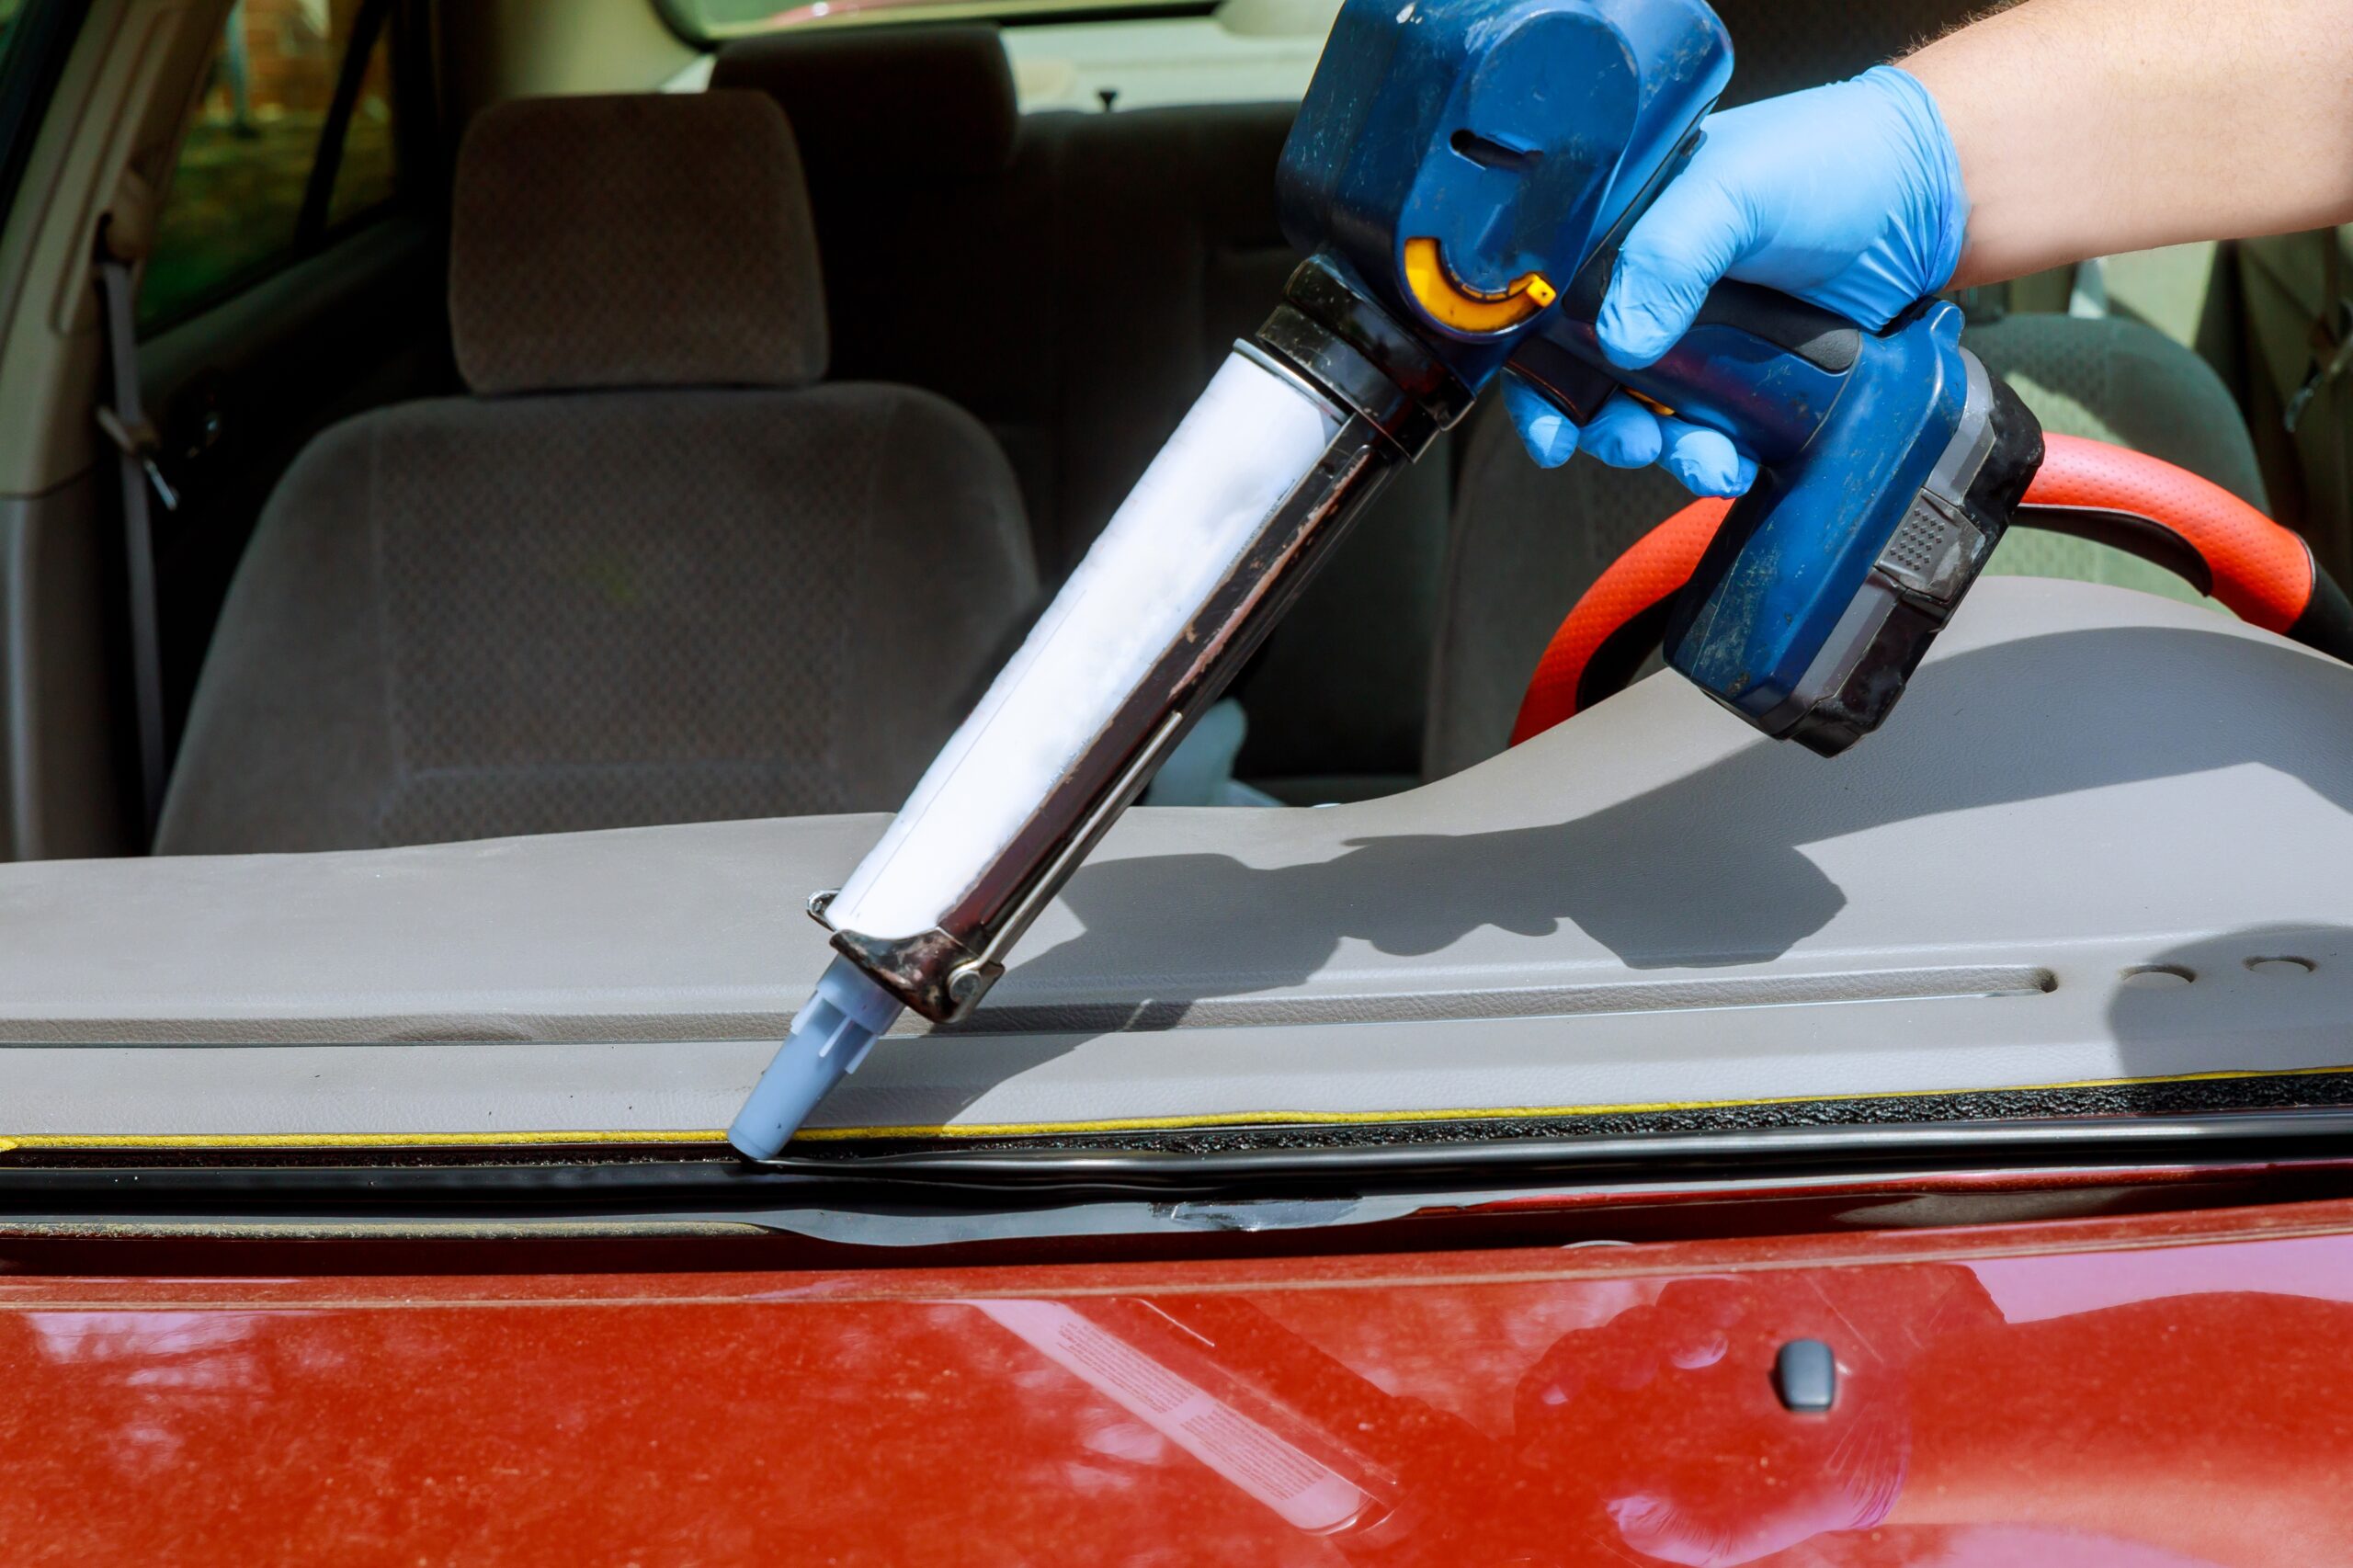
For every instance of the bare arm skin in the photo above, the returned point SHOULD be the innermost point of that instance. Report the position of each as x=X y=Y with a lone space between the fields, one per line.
x=2090 y=127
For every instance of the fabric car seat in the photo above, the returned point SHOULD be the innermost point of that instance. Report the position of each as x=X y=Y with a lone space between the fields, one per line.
x=651 y=569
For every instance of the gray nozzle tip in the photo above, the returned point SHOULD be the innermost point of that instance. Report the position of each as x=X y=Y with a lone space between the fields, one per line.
x=781 y=1101
x=831 y=1034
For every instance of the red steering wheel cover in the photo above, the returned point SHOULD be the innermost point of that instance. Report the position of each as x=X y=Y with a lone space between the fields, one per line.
x=2262 y=571
x=1646 y=576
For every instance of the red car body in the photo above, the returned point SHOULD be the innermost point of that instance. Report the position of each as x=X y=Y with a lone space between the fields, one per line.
x=2143 y=1391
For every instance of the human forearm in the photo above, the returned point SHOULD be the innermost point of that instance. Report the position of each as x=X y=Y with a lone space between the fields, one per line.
x=2087 y=127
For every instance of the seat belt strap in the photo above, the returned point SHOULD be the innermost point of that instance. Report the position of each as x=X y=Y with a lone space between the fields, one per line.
x=126 y=423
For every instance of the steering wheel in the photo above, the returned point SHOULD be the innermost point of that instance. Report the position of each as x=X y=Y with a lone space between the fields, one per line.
x=2092 y=490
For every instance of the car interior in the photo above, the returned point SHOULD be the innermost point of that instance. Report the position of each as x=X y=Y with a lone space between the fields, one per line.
x=573 y=417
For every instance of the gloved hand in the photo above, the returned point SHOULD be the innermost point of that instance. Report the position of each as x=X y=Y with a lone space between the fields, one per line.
x=1846 y=195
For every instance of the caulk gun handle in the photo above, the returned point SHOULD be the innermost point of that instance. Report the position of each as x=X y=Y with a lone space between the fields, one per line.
x=1760 y=367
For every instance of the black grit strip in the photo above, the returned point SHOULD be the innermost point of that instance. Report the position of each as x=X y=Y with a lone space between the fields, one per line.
x=2156 y=1097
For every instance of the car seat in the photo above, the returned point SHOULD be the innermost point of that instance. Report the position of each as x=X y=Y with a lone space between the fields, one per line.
x=651 y=569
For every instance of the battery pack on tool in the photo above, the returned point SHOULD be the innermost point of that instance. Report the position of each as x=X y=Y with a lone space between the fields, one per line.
x=1821 y=593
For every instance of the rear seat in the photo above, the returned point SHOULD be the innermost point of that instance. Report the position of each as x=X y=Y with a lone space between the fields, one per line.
x=650 y=571
x=1074 y=280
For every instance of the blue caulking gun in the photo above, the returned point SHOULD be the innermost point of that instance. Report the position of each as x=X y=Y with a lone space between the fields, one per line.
x=1460 y=175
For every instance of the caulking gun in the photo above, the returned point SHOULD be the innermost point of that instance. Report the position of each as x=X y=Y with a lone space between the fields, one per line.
x=1460 y=176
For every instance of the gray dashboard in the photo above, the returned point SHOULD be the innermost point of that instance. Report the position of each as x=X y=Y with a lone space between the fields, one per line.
x=2106 y=840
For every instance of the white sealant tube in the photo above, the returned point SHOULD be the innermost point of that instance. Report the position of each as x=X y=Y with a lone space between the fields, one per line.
x=1247 y=444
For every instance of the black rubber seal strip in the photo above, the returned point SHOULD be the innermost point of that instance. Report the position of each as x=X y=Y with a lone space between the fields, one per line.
x=2191 y=1096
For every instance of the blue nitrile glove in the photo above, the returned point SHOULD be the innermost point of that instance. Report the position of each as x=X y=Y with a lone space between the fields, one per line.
x=1846 y=195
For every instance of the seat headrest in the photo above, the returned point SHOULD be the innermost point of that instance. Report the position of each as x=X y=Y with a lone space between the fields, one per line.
x=640 y=240
x=928 y=100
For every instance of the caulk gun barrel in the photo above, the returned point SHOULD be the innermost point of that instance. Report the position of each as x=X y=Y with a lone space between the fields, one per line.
x=1217 y=538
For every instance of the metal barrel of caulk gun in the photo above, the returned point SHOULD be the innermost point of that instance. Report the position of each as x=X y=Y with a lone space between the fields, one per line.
x=1299 y=429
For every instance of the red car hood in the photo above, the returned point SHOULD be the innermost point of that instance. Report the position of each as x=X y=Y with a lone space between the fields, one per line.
x=2158 y=1391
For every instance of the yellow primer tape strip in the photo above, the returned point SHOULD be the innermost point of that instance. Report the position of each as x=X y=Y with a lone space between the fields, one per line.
x=1066 y=1129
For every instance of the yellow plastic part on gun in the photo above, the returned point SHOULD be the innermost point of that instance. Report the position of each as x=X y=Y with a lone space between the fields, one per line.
x=1451 y=305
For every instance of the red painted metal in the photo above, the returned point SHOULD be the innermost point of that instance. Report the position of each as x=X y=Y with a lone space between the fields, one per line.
x=2152 y=1390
